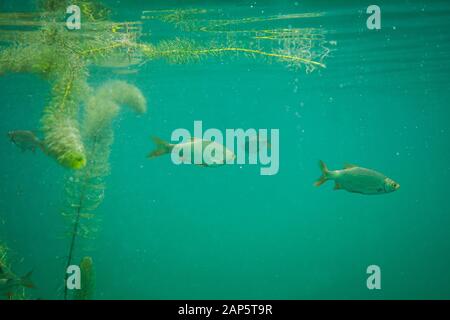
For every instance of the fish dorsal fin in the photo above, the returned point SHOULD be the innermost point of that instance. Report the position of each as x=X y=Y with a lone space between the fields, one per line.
x=349 y=166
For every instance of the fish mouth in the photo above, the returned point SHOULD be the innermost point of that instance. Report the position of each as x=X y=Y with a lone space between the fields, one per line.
x=397 y=186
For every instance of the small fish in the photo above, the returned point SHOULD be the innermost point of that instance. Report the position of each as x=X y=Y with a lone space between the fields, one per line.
x=9 y=282
x=26 y=140
x=194 y=145
x=119 y=60
x=356 y=179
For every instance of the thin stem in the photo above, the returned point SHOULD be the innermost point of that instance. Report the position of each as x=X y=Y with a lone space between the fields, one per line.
x=253 y=51
x=268 y=54
x=77 y=223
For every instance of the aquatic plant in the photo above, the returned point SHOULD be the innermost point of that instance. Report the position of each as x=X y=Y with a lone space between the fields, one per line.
x=192 y=19
x=62 y=57
x=183 y=50
x=298 y=47
x=77 y=138
x=3 y=255
x=86 y=292
x=85 y=188
x=5 y=264
x=47 y=48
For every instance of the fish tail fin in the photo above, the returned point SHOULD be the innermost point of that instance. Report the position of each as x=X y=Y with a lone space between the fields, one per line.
x=325 y=174
x=162 y=147
x=26 y=280
x=41 y=146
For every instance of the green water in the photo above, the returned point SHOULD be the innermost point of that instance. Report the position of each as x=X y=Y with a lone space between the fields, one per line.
x=187 y=232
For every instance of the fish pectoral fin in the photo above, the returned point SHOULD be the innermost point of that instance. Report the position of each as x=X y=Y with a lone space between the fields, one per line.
x=337 y=186
x=349 y=166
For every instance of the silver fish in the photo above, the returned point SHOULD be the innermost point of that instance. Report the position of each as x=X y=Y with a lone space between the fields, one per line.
x=195 y=145
x=358 y=180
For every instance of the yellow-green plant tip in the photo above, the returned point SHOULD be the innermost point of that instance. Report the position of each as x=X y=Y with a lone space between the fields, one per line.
x=73 y=160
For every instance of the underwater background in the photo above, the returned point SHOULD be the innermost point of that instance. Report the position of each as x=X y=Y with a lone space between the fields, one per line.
x=186 y=232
